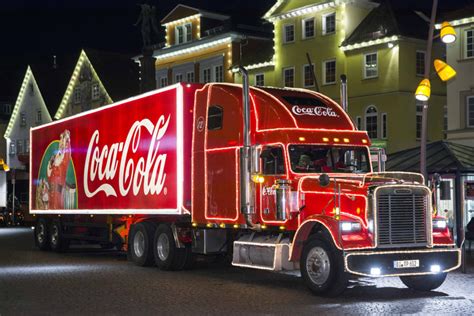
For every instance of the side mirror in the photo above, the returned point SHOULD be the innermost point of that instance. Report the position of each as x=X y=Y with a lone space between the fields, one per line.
x=324 y=180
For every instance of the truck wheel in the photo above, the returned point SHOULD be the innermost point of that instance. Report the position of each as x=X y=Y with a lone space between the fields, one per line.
x=322 y=268
x=424 y=282
x=42 y=234
x=56 y=240
x=141 y=244
x=167 y=255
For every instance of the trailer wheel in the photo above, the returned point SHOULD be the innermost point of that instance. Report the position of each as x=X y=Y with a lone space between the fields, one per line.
x=141 y=243
x=56 y=237
x=424 y=282
x=42 y=234
x=322 y=268
x=167 y=255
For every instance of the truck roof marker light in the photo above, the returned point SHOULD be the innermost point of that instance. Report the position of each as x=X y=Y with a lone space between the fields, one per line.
x=194 y=224
x=222 y=225
x=236 y=226
x=364 y=141
x=346 y=140
x=92 y=215
x=325 y=139
x=264 y=226
x=282 y=227
x=336 y=140
x=209 y=225
x=301 y=139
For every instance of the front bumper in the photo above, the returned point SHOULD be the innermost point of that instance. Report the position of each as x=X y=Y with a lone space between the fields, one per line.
x=362 y=263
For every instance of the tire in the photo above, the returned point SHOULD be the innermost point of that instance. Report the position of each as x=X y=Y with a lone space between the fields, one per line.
x=167 y=255
x=56 y=240
x=42 y=234
x=140 y=247
x=322 y=267
x=424 y=282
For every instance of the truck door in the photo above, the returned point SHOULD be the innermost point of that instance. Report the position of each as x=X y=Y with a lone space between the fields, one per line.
x=272 y=162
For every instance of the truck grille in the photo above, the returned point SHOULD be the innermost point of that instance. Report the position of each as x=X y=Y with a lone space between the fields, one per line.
x=401 y=217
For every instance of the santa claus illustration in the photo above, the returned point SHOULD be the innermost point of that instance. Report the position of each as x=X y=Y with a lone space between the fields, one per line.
x=57 y=171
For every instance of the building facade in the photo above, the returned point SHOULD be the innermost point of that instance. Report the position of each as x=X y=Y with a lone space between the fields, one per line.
x=460 y=90
x=381 y=51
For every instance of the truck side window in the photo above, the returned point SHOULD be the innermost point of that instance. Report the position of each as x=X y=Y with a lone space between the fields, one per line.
x=273 y=161
x=214 y=117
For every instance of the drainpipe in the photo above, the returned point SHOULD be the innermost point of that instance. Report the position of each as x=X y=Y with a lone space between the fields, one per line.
x=344 y=101
x=246 y=191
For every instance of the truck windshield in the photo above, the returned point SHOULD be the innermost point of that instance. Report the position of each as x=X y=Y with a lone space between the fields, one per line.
x=327 y=159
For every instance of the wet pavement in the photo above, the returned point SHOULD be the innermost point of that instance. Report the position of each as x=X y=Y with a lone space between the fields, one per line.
x=93 y=281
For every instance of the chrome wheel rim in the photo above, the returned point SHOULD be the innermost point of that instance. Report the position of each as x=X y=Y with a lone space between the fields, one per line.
x=139 y=244
x=54 y=235
x=163 y=247
x=41 y=233
x=318 y=265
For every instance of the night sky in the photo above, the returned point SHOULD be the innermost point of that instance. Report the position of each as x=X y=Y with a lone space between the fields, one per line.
x=32 y=28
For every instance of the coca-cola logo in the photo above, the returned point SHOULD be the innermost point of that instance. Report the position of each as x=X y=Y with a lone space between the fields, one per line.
x=314 y=111
x=139 y=174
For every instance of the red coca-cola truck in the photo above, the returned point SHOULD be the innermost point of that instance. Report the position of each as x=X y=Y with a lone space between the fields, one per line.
x=278 y=179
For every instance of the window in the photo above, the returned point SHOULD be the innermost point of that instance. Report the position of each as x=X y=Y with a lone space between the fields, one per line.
x=178 y=78
x=288 y=33
x=77 y=95
x=27 y=145
x=163 y=82
x=384 y=125
x=308 y=75
x=469 y=44
x=190 y=76
x=189 y=32
x=219 y=73
x=273 y=161
x=259 y=79
x=289 y=77
x=184 y=33
x=214 y=117
x=359 y=123
x=19 y=146
x=12 y=148
x=38 y=116
x=370 y=65
x=419 y=117
x=22 y=119
x=329 y=23
x=329 y=71
x=206 y=75
x=470 y=111
x=420 y=63
x=95 y=91
x=308 y=28
x=371 y=121
x=7 y=109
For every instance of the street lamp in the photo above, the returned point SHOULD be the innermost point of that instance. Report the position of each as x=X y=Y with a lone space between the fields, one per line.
x=423 y=92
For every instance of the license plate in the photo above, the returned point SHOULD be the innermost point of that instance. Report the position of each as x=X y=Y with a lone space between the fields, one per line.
x=401 y=264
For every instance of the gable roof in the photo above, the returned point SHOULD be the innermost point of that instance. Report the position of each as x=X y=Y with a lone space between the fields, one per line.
x=442 y=157
x=386 y=21
x=182 y=11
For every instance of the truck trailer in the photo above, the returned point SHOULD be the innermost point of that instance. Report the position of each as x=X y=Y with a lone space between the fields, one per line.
x=277 y=179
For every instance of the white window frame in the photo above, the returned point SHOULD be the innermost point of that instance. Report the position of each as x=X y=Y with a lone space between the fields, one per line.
x=364 y=63
x=285 y=41
x=325 y=82
x=39 y=116
x=465 y=43
x=468 y=98
x=263 y=79
x=383 y=126
x=304 y=74
x=376 y=115
x=178 y=78
x=204 y=75
x=284 y=76
x=216 y=74
x=19 y=146
x=190 y=76
x=12 y=149
x=324 y=26
x=77 y=95
x=359 y=123
x=23 y=119
x=303 y=28
x=416 y=60
x=163 y=82
x=27 y=145
x=188 y=37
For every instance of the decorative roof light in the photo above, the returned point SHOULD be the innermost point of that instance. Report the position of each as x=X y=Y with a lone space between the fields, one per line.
x=194 y=48
x=260 y=65
x=423 y=91
x=370 y=43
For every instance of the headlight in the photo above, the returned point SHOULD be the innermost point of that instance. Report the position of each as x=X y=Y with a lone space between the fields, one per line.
x=440 y=224
x=347 y=226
